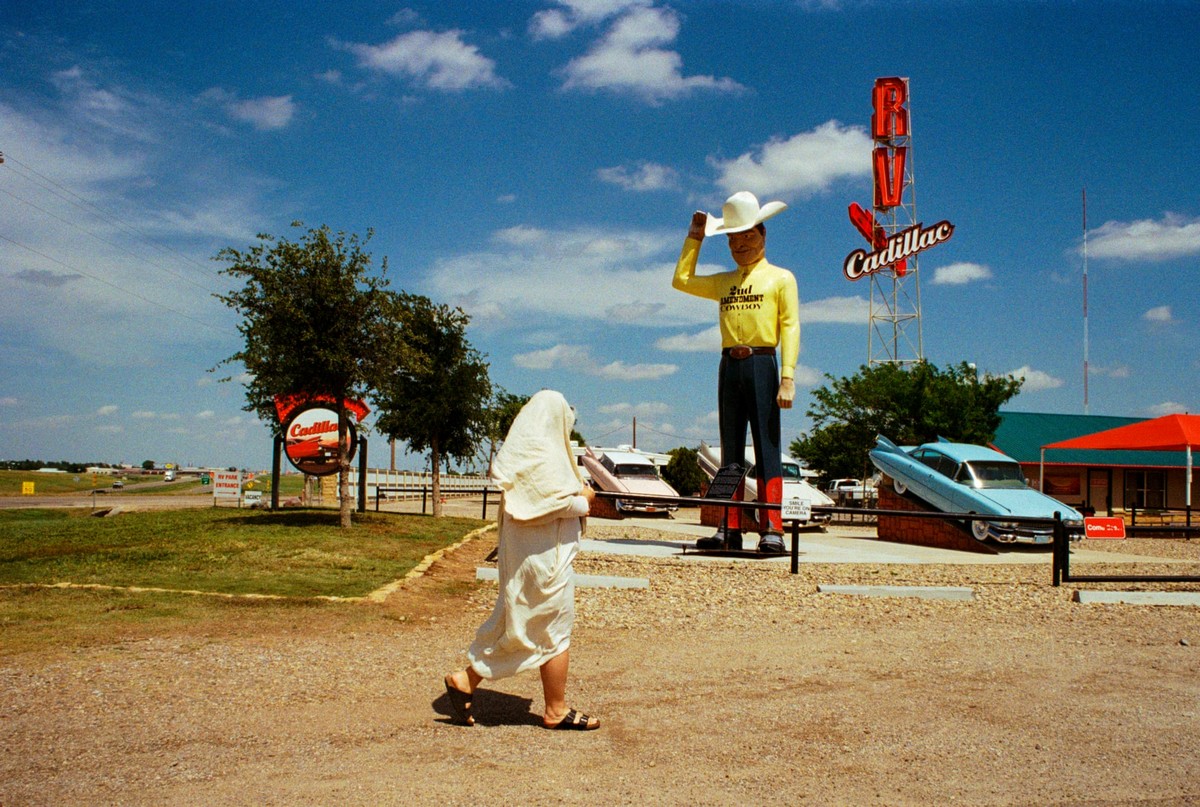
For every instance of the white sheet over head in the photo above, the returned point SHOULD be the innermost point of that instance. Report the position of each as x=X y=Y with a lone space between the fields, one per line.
x=535 y=467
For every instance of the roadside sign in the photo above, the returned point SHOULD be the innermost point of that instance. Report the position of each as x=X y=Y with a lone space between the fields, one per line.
x=27 y=488
x=796 y=509
x=1104 y=527
x=227 y=485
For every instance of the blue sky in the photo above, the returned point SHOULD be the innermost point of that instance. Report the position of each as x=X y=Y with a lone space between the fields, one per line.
x=537 y=163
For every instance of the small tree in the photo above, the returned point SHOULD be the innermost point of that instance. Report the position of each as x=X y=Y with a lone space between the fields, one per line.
x=432 y=389
x=683 y=471
x=147 y=465
x=311 y=322
x=909 y=406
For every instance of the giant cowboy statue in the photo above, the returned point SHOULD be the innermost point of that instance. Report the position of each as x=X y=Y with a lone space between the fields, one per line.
x=759 y=311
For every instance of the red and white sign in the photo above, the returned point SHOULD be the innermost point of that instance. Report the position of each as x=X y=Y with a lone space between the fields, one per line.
x=1103 y=527
x=227 y=485
x=890 y=129
x=311 y=441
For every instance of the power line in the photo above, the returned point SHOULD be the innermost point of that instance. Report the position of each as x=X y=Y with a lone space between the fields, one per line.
x=70 y=197
x=102 y=240
x=79 y=202
x=113 y=285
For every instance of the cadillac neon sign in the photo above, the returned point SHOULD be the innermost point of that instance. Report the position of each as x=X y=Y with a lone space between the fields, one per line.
x=889 y=122
x=897 y=249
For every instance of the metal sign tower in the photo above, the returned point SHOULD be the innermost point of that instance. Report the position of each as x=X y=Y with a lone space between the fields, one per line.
x=894 y=329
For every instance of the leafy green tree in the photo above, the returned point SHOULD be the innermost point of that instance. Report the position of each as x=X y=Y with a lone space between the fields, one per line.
x=311 y=320
x=147 y=465
x=908 y=405
x=683 y=471
x=502 y=411
x=433 y=390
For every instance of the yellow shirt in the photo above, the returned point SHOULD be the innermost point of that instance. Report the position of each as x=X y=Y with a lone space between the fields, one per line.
x=759 y=304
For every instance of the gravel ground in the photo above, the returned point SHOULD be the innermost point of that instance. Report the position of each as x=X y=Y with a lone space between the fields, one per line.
x=724 y=682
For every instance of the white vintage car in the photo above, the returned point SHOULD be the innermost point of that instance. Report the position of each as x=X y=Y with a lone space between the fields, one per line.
x=795 y=486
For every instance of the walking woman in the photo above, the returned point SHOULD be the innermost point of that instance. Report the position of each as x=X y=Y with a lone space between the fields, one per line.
x=542 y=512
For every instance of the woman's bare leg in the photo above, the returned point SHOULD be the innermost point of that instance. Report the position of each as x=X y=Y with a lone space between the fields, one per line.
x=554 y=690
x=554 y=687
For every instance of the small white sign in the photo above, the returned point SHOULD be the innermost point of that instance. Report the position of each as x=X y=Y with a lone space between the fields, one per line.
x=227 y=485
x=797 y=509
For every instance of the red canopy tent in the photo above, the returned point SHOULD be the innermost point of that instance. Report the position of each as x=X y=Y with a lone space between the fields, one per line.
x=1167 y=433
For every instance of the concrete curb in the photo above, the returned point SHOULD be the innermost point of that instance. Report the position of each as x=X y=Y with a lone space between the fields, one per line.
x=381 y=594
x=920 y=592
x=581 y=580
x=1138 y=597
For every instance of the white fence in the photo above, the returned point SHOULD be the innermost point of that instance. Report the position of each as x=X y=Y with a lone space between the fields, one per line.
x=452 y=485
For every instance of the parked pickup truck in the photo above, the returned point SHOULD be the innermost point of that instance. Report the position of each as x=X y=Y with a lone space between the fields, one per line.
x=850 y=490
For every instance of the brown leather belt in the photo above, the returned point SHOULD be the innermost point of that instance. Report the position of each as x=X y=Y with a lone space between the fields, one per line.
x=746 y=351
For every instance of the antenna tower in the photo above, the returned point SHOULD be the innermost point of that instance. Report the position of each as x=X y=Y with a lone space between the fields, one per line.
x=1085 y=306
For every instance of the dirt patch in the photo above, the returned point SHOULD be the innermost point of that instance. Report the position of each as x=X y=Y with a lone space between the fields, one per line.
x=724 y=682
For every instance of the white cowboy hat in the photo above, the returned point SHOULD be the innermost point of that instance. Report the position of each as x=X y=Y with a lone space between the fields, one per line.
x=741 y=212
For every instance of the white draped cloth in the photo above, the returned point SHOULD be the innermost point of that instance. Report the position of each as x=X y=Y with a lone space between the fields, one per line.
x=541 y=520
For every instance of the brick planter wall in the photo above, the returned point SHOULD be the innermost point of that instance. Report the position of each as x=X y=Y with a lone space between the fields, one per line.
x=604 y=508
x=922 y=531
x=712 y=515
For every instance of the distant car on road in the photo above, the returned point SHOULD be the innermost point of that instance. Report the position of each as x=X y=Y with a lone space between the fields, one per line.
x=118 y=485
x=965 y=478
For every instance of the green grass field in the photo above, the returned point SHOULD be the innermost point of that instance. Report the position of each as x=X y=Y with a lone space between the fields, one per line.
x=44 y=484
x=297 y=554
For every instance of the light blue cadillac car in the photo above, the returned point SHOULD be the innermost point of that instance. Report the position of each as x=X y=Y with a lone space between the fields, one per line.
x=965 y=478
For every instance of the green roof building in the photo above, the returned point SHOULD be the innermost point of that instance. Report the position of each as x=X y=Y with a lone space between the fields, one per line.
x=1106 y=482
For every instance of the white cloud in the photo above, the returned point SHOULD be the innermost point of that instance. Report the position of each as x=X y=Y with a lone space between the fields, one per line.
x=579 y=358
x=706 y=341
x=1035 y=380
x=806 y=163
x=641 y=177
x=1171 y=237
x=837 y=310
x=1166 y=408
x=538 y=274
x=554 y=23
x=639 y=409
x=633 y=312
x=959 y=274
x=266 y=113
x=107 y=410
x=438 y=61
x=808 y=376
x=1160 y=315
x=630 y=59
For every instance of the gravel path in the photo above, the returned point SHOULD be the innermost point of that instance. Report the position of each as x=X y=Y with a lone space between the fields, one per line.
x=724 y=682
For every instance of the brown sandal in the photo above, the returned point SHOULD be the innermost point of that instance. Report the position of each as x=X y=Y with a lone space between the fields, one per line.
x=577 y=721
x=461 y=703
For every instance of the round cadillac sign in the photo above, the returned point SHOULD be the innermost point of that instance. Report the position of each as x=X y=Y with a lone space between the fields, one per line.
x=311 y=440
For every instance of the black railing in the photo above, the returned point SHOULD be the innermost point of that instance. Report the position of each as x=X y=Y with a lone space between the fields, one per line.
x=1062 y=563
x=823 y=510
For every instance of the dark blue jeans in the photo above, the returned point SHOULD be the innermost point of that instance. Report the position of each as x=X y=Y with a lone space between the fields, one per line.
x=747 y=393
